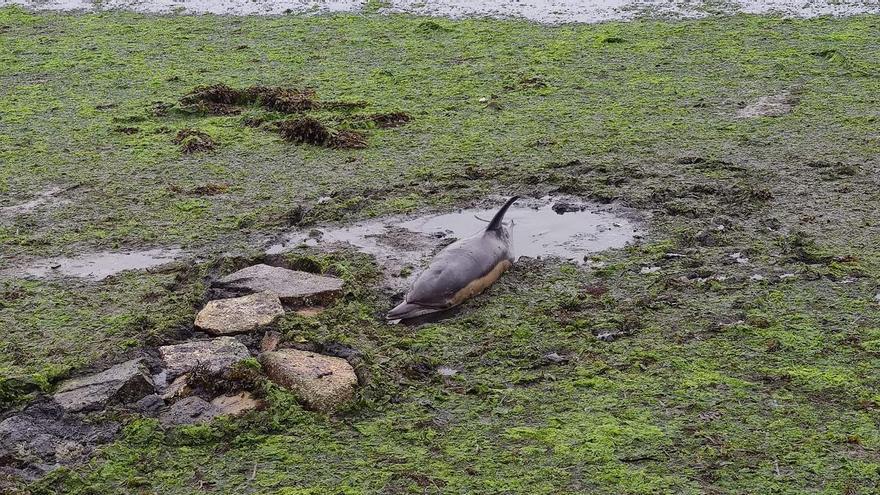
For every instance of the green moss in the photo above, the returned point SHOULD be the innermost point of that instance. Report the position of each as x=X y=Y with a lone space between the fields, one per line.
x=714 y=383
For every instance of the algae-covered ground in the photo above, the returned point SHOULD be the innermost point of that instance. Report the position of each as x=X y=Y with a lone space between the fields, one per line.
x=747 y=323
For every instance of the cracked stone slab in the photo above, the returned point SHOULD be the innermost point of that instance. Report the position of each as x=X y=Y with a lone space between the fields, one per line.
x=125 y=382
x=216 y=355
x=291 y=286
x=239 y=314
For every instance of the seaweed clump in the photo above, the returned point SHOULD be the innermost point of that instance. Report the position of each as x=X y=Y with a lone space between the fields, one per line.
x=193 y=141
x=220 y=99
x=309 y=130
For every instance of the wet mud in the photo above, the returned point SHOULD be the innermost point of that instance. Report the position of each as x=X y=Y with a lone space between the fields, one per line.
x=42 y=437
x=46 y=198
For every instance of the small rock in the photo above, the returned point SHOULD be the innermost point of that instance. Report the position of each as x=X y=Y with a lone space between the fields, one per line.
x=322 y=382
x=292 y=287
x=235 y=405
x=189 y=411
x=562 y=207
x=647 y=270
x=270 y=341
x=877 y=298
x=786 y=276
x=216 y=355
x=446 y=371
x=739 y=258
x=553 y=357
x=756 y=277
x=310 y=311
x=160 y=380
x=239 y=314
x=125 y=382
x=178 y=388
x=149 y=404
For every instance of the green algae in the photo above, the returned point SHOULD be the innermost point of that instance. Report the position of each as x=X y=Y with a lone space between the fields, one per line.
x=715 y=383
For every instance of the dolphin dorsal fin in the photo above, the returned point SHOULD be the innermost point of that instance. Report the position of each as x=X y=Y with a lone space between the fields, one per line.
x=495 y=224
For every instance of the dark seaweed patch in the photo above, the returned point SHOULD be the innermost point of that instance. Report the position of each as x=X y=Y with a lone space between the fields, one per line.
x=312 y=131
x=209 y=189
x=222 y=99
x=193 y=141
x=344 y=106
x=391 y=119
x=349 y=139
x=304 y=130
x=285 y=100
x=126 y=130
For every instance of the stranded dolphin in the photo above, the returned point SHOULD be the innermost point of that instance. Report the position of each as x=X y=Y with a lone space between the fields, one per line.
x=460 y=271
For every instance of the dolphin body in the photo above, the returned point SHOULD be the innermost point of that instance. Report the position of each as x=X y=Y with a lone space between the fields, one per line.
x=460 y=271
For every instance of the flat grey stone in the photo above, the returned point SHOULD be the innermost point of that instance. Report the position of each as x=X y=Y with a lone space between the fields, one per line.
x=293 y=287
x=189 y=411
x=216 y=355
x=125 y=382
x=239 y=314
x=149 y=404
x=323 y=383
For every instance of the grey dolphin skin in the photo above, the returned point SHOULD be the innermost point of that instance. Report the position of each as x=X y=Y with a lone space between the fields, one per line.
x=460 y=271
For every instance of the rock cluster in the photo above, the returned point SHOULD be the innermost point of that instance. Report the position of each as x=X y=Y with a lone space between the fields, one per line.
x=180 y=390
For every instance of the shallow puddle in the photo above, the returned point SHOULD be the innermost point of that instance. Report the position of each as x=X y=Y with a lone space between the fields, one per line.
x=537 y=231
x=540 y=232
x=97 y=266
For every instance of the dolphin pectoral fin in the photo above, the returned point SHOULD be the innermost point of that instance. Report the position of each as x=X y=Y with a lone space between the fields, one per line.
x=407 y=310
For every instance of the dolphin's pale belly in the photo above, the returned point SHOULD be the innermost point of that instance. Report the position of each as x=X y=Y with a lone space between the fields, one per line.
x=479 y=285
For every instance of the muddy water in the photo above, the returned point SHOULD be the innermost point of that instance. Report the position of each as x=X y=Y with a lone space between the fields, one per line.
x=44 y=198
x=548 y=11
x=537 y=230
x=96 y=266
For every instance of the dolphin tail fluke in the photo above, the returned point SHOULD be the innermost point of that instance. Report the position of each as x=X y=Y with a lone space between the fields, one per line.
x=496 y=222
x=405 y=311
